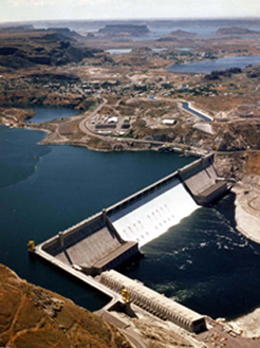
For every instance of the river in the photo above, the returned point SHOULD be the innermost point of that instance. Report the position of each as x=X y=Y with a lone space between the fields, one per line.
x=203 y=262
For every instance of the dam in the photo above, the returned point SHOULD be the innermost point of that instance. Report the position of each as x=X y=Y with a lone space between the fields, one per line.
x=155 y=303
x=113 y=237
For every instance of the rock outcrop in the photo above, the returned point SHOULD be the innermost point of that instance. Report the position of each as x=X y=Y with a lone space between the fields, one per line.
x=236 y=31
x=34 y=317
x=124 y=30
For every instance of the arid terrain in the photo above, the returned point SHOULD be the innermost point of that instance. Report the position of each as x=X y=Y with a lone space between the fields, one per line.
x=58 y=67
x=127 y=101
x=34 y=317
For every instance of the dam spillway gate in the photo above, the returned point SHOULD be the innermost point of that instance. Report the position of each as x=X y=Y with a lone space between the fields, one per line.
x=112 y=237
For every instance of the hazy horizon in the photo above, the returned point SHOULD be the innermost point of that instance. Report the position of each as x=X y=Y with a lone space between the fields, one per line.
x=46 y=10
x=132 y=19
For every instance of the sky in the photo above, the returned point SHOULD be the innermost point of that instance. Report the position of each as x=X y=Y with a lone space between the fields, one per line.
x=28 y=10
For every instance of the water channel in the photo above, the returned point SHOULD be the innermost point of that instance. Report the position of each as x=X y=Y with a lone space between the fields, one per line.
x=186 y=106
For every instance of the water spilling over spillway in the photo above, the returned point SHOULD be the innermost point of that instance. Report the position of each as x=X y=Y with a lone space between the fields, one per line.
x=154 y=214
x=113 y=236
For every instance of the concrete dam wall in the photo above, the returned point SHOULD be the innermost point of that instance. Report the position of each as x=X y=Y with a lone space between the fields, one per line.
x=92 y=246
x=202 y=182
x=113 y=236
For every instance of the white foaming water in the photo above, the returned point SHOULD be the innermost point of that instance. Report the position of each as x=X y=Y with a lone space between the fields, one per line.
x=153 y=215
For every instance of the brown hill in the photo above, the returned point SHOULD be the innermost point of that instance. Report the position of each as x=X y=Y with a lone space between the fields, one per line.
x=25 y=49
x=33 y=317
x=236 y=31
x=182 y=33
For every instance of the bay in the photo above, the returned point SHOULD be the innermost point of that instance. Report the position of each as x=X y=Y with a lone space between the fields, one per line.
x=48 y=113
x=218 y=64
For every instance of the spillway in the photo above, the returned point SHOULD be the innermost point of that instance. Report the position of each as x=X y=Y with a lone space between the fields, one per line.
x=115 y=235
x=152 y=215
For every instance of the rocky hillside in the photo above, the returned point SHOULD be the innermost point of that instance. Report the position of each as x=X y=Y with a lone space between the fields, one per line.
x=236 y=31
x=27 y=49
x=33 y=317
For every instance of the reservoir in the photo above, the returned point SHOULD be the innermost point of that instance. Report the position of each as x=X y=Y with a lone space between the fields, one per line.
x=203 y=262
x=45 y=113
x=208 y=66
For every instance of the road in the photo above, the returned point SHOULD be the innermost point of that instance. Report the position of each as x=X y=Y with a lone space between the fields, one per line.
x=83 y=127
x=82 y=124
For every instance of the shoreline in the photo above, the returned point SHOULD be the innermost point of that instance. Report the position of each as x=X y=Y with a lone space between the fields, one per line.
x=247 y=217
x=127 y=144
x=247 y=207
x=248 y=324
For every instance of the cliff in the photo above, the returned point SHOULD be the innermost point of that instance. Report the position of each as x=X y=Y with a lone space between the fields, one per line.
x=34 y=317
x=51 y=47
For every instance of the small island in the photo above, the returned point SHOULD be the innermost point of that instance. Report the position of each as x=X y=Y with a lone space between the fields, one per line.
x=124 y=30
x=236 y=31
x=182 y=33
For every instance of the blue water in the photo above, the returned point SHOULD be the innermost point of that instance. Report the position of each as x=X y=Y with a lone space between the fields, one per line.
x=46 y=189
x=207 y=31
x=48 y=113
x=218 y=64
x=200 y=30
x=203 y=262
